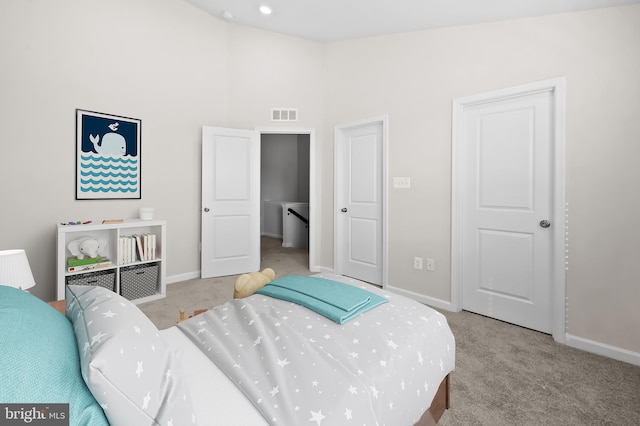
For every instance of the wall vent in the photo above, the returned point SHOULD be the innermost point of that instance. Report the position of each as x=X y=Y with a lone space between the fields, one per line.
x=284 y=114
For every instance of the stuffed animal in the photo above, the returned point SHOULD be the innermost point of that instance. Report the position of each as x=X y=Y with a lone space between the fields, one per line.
x=87 y=247
x=247 y=284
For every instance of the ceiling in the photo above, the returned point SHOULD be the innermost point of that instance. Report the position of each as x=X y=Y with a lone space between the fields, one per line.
x=337 y=20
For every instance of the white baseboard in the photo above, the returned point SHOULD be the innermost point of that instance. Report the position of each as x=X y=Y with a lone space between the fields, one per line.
x=431 y=301
x=182 y=277
x=271 y=235
x=603 y=349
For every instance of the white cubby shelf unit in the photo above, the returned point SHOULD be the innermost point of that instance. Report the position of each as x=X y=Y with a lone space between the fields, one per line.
x=139 y=280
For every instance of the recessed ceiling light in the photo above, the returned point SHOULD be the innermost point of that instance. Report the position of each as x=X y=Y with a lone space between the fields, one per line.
x=228 y=16
x=265 y=10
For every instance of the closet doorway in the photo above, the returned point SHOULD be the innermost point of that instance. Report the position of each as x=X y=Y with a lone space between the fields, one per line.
x=287 y=194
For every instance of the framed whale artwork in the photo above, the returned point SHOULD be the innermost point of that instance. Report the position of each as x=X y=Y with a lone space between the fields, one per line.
x=108 y=156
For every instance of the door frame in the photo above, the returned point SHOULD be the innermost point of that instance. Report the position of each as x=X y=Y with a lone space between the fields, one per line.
x=558 y=87
x=312 y=181
x=337 y=187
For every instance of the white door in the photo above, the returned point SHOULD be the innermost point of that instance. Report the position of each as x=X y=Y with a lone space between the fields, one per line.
x=230 y=201
x=359 y=201
x=507 y=229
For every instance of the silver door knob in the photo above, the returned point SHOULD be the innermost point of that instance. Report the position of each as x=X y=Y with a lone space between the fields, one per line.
x=344 y=210
x=545 y=223
x=206 y=209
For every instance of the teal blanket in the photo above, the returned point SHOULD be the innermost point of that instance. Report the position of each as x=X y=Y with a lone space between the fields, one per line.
x=337 y=301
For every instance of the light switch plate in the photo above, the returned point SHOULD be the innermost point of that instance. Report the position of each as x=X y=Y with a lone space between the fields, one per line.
x=402 y=182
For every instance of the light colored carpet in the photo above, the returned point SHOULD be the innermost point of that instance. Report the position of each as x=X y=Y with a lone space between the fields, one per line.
x=505 y=375
x=509 y=375
x=205 y=293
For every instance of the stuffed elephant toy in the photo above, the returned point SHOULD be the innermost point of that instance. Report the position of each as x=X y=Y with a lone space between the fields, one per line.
x=87 y=247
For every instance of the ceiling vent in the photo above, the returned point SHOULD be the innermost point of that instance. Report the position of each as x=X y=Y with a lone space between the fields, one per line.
x=284 y=114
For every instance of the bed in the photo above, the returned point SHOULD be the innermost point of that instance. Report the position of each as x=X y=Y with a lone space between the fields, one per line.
x=254 y=361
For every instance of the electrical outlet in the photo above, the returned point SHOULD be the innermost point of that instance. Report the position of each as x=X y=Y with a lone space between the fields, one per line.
x=417 y=263
x=431 y=265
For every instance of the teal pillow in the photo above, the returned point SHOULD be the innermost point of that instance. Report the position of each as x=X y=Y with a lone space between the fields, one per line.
x=39 y=358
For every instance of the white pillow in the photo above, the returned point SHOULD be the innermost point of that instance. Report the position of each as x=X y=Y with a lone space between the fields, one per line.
x=130 y=370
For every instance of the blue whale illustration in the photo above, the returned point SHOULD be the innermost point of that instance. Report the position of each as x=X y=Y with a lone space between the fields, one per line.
x=112 y=143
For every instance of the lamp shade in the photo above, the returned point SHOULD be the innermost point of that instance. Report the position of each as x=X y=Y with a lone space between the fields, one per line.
x=15 y=270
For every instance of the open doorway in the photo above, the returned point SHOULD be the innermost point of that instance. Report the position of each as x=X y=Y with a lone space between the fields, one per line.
x=286 y=199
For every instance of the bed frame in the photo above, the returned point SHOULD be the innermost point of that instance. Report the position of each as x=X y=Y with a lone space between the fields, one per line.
x=439 y=404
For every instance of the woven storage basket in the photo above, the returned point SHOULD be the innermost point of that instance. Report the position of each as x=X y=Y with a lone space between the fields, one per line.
x=139 y=281
x=106 y=279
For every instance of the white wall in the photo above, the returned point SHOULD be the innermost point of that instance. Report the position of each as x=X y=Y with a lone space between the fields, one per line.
x=269 y=70
x=163 y=62
x=414 y=78
x=279 y=162
x=178 y=68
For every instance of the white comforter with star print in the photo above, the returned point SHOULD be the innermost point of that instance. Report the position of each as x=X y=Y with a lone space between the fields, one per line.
x=298 y=367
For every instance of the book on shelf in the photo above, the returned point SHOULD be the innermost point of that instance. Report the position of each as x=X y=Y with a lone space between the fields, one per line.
x=145 y=245
x=74 y=261
x=149 y=246
x=140 y=250
x=104 y=263
x=124 y=250
x=137 y=247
